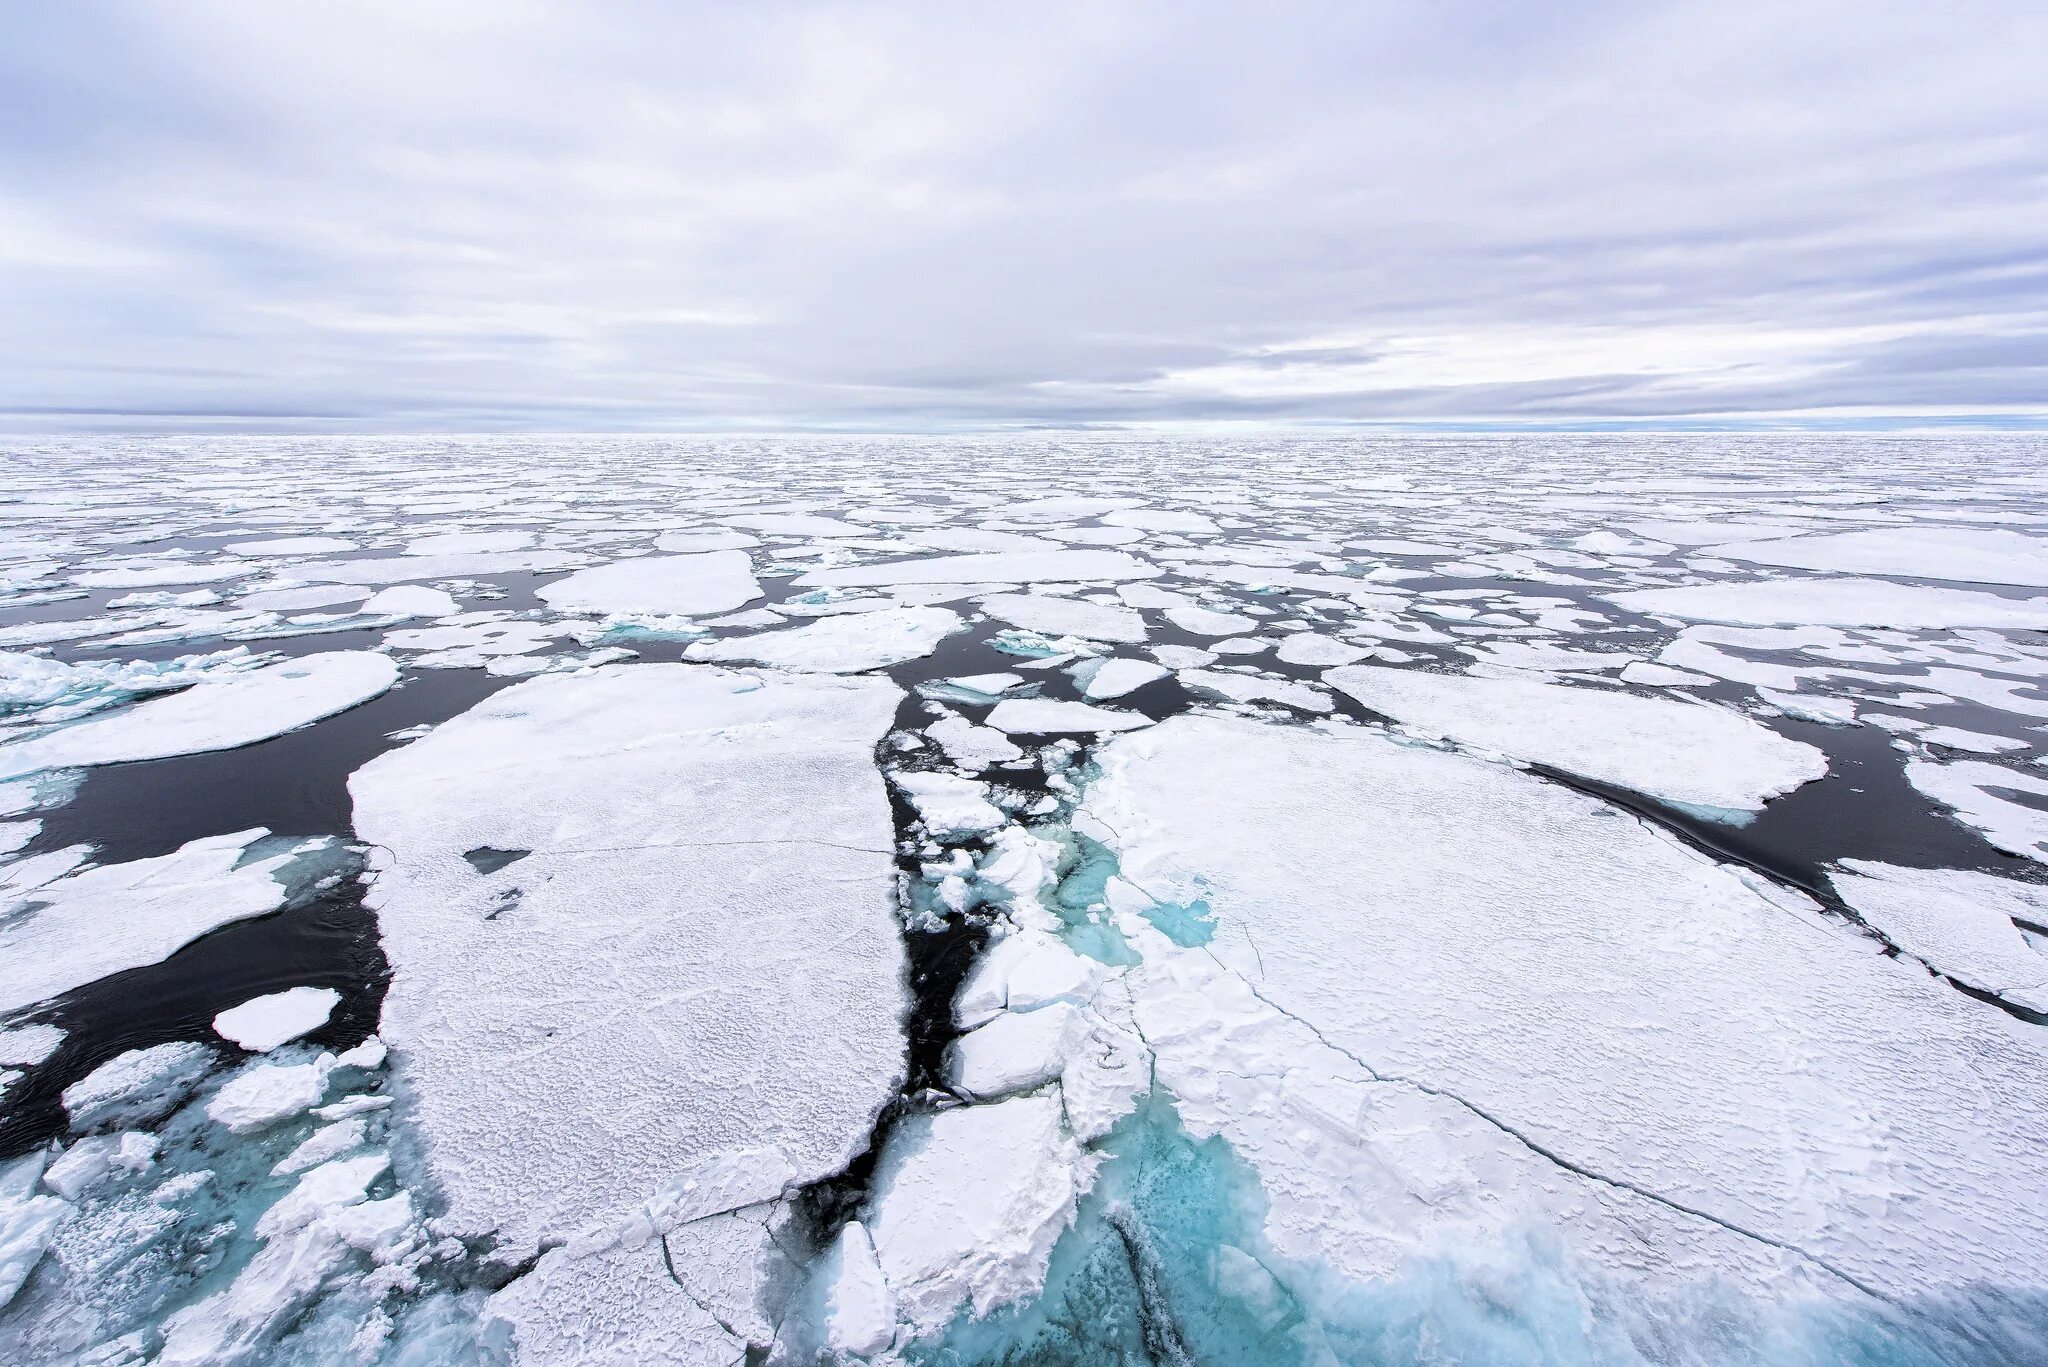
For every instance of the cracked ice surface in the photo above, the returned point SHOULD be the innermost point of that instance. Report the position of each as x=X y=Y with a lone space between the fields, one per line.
x=695 y=977
x=1533 y=973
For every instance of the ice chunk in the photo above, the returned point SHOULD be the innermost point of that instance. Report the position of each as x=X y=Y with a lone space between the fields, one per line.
x=97 y=921
x=1592 y=990
x=1837 y=602
x=1054 y=616
x=138 y=1087
x=214 y=714
x=27 y=1223
x=968 y=1203
x=469 y=543
x=1015 y=1052
x=841 y=645
x=265 y=1093
x=715 y=849
x=1162 y=520
x=1981 y=555
x=1046 y=716
x=400 y=569
x=860 y=1314
x=950 y=806
x=970 y=746
x=1958 y=923
x=94 y=1158
x=1114 y=678
x=263 y=1023
x=1255 y=688
x=1693 y=754
x=1002 y=567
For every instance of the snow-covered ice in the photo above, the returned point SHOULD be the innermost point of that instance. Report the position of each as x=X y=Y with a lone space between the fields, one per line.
x=661 y=585
x=850 y=644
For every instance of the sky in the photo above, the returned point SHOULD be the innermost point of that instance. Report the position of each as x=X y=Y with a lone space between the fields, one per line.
x=457 y=216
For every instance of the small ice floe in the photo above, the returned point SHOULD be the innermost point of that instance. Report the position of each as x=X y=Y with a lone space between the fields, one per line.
x=263 y=1023
x=1977 y=793
x=1695 y=755
x=950 y=806
x=1052 y=717
x=840 y=645
x=1116 y=677
x=217 y=713
x=1055 y=616
x=93 y=922
x=700 y=585
x=1000 y=567
x=137 y=1087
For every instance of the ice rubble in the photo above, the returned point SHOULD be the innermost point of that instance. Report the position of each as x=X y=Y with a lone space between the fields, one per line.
x=80 y=927
x=30 y=682
x=1473 y=1001
x=698 y=959
x=217 y=713
x=659 y=585
x=1837 y=602
x=1695 y=755
x=840 y=645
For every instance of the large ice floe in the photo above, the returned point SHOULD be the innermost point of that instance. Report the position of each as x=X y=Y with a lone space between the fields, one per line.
x=681 y=999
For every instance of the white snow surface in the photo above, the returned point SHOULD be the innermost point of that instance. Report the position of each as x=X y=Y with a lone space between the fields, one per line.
x=698 y=961
x=1695 y=754
x=1430 y=969
x=658 y=585
x=218 y=713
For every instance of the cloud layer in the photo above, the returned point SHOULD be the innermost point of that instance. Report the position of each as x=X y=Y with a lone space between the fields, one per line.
x=554 y=216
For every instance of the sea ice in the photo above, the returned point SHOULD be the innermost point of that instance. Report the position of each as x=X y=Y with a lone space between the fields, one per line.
x=967 y=1203
x=1114 y=678
x=1958 y=923
x=1001 y=567
x=698 y=585
x=1048 y=716
x=840 y=645
x=263 y=1023
x=93 y=922
x=1695 y=755
x=713 y=850
x=1979 y=555
x=1053 y=616
x=217 y=713
x=1974 y=790
x=1567 y=989
x=1837 y=602
x=137 y=1087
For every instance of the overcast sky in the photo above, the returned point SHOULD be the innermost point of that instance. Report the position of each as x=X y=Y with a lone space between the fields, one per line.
x=436 y=215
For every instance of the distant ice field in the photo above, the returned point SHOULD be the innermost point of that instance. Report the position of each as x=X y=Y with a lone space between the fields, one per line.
x=1039 y=899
